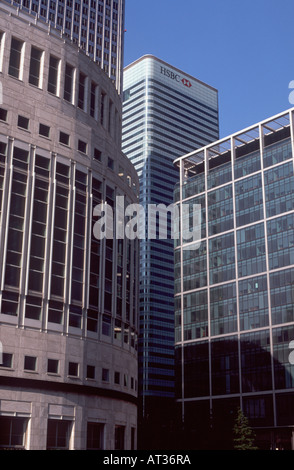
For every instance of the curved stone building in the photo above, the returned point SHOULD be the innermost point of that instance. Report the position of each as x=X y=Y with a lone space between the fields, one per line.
x=68 y=301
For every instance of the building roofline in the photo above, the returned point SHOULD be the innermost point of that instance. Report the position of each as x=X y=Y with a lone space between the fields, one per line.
x=151 y=56
x=234 y=135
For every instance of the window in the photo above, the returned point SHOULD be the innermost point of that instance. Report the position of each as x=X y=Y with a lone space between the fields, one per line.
x=6 y=360
x=102 y=105
x=38 y=235
x=249 y=200
x=95 y=436
x=253 y=303
x=23 y=122
x=105 y=375
x=117 y=378
x=257 y=373
x=53 y=366
x=53 y=75
x=73 y=369
x=106 y=325
x=1 y=48
x=16 y=217
x=3 y=114
x=12 y=432
x=82 y=146
x=68 y=83
x=225 y=370
x=58 y=434
x=60 y=229
x=35 y=66
x=93 y=100
x=44 y=130
x=15 y=57
x=110 y=109
x=251 y=250
x=64 y=138
x=90 y=372
x=55 y=312
x=119 y=437
x=97 y=155
x=79 y=243
x=34 y=304
x=82 y=91
x=220 y=210
x=30 y=363
x=110 y=163
x=223 y=309
x=10 y=303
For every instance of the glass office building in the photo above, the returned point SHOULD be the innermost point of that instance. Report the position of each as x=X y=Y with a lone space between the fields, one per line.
x=95 y=26
x=165 y=114
x=234 y=304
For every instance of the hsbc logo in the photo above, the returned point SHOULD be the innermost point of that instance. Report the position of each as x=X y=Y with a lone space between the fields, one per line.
x=186 y=82
x=174 y=76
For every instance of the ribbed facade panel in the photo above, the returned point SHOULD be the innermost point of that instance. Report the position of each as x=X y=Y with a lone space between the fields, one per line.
x=165 y=113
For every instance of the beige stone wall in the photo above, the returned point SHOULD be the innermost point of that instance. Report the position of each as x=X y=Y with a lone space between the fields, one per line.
x=78 y=399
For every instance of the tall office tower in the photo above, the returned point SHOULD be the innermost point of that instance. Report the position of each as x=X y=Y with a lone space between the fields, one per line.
x=165 y=113
x=95 y=26
x=68 y=301
x=234 y=290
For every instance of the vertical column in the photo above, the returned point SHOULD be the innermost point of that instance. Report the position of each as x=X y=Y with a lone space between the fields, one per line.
x=97 y=102
x=28 y=222
x=206 y=172
x=291 y=119
x=49 y=234
x=233 y=158
x=261 y=140
x=88 y=246
x=5 y=208
x=182 y=176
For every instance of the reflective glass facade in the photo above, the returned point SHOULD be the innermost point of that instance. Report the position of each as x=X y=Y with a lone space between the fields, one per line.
x=165 y=113
x=235 y=312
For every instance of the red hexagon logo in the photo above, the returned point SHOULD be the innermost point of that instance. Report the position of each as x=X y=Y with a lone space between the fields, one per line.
x=186 y=82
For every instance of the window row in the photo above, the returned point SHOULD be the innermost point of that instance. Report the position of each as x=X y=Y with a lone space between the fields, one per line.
x=14 y=434
x=118 y=270
x=220 y=172
x=249 y=202
x=30 y=364
x=251 y=254
x=248 y=358
x=82 y=146
x=77 y=88
x=254 y=296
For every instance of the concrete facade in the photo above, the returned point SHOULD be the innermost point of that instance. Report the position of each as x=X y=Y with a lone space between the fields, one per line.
x=77 y=334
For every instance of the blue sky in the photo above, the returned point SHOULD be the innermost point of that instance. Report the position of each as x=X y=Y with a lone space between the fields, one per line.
x=245 y=49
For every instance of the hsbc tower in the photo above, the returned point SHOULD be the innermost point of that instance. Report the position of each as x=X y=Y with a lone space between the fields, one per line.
x=166 y=113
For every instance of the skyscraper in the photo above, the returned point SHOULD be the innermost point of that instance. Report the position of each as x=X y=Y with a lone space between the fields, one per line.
x=68 y=298
x=95 y=26
x=234 y=302
x=165 y=113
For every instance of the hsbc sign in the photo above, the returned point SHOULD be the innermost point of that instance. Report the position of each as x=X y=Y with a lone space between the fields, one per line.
x=175 y=76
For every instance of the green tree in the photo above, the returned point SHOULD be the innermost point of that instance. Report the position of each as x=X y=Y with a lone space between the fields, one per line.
x=243 y=434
